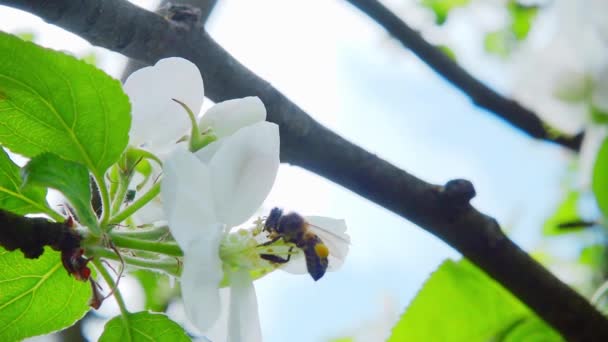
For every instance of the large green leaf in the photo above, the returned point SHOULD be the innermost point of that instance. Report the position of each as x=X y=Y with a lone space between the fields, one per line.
x=12 y=197
x=442 y=8
x=52 y=102
x=461 y=303
x=600 y=178
x=143 y=326
x=38 y=296
x=70 y=178
x=567 y=211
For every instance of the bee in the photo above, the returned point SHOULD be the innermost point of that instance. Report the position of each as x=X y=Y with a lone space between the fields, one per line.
x=293 y=228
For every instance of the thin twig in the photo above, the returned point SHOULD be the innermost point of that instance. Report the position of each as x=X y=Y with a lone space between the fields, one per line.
x=484 y=97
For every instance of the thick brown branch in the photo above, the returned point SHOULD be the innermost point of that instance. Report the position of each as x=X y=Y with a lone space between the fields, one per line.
x=204 y=7
x=484 y=97
x=441 y=210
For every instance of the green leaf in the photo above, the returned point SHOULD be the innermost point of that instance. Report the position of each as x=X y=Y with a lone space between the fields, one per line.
x=600 y=178
x=70 y=178
x=522 y=17
x=52 y=102
x=598 y=115
x=461 y=303
x=37 y=296
x=12 y=197
x=531 y=329
x=442 y=8
x=592 y=255
x=567 y=211
x=157 y=289
x=143 y=326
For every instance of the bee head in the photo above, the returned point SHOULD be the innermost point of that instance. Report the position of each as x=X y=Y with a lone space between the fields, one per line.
x=272 y=221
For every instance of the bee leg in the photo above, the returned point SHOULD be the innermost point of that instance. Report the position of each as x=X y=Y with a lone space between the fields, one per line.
x=270 y=242
x=274 y=258
x=277 y=259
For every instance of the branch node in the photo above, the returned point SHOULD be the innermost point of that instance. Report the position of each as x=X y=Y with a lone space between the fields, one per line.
x=455 y=196
x=457 y=192
x=183 y=14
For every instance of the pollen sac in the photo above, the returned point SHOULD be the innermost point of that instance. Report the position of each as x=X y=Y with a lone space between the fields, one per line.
x=322 y=250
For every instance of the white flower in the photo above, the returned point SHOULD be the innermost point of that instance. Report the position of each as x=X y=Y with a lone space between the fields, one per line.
x=203 y=197
x=159 y=122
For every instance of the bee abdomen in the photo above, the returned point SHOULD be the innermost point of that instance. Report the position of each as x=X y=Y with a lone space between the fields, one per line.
x=316 y=259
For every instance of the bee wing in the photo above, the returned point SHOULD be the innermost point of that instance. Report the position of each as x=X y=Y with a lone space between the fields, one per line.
x=333 y=233
x=297 y=264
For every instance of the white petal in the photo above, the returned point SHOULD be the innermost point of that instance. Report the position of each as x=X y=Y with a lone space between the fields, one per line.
x=206 y=153
x=229 y=116
x=187 y=197
x=296 y=265
x=244 y=320
x=333 y=234
x=243 y=171
x=219 y=330
x=157 y=119
x=201 y=278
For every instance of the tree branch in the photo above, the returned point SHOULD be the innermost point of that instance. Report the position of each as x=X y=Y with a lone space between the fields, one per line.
x=481 y=95
x=31 y=234
x=204 y=6
x=441 y=210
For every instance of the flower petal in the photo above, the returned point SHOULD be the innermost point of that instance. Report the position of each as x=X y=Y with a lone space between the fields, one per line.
x=206 y=153
x=201 y=278
x=333 y=233
x=243 y=171
x=187 y=197
x=157 y=119
x=244 y=320
x=229 y=116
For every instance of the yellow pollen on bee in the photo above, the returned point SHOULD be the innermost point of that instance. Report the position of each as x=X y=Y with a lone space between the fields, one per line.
x=322 y=250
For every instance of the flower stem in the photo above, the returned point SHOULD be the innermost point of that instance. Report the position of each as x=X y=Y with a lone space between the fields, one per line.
x=130 y=210
x=171 y=266
x=146 y=245
x=156 y=233
x=105 y=198
x=117 y=295
x=119 y=196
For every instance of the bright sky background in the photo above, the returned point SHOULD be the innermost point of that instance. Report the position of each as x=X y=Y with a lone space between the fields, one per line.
x=348 y=74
